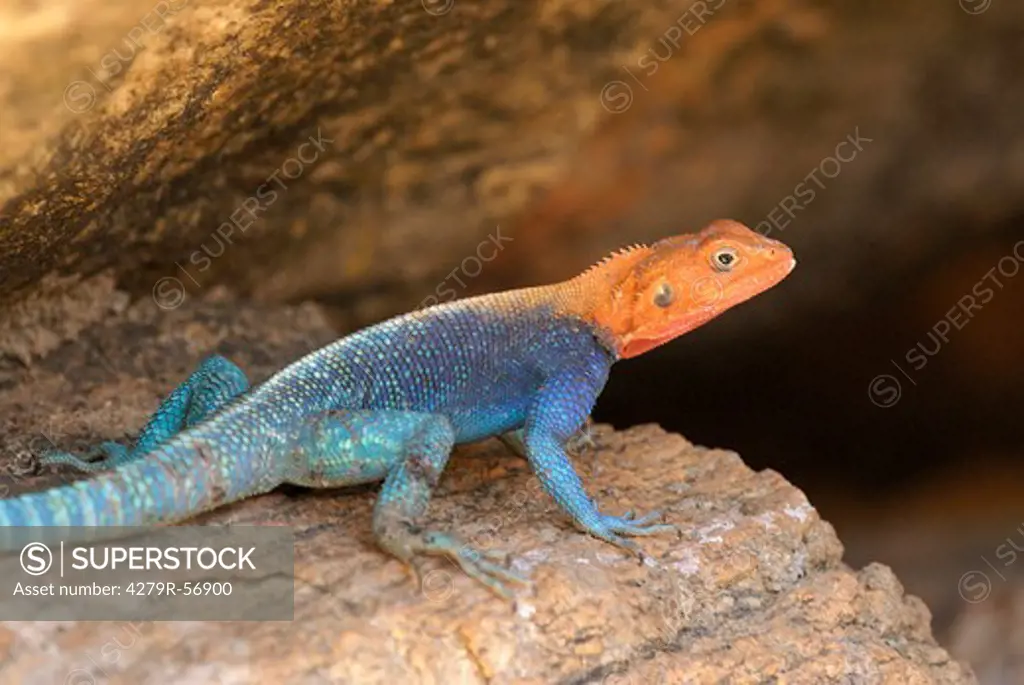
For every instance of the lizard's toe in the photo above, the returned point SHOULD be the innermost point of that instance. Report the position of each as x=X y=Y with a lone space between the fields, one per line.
x=614 y=538
x=493 y=576
x=480 y=566
x=613 y=529
x=582 y=441
x=68 y=459
x=633 y=526
x=110 y=454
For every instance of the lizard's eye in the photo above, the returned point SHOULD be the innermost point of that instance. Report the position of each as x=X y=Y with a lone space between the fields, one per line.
x=663 y=296
x=725 y=259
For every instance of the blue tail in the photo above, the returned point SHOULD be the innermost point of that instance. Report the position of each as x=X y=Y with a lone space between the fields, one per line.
x=176 y=469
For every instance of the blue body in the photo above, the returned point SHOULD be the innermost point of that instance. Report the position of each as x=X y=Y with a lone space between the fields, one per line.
x=386 y=403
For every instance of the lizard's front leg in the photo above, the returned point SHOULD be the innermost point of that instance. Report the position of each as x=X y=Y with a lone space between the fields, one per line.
x=213 y=384
x=581 y=441
x=408 y=450
x=556 y=415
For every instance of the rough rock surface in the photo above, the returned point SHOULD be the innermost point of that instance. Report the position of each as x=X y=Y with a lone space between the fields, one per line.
x=128 y=137
x=751 y=590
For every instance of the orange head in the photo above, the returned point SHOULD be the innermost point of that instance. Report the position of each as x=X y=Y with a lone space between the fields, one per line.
x=645 y=296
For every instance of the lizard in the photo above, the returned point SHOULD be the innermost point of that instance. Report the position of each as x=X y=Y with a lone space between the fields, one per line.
x=388 y=403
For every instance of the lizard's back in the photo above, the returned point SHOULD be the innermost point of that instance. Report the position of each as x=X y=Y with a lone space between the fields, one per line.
x=477 y=361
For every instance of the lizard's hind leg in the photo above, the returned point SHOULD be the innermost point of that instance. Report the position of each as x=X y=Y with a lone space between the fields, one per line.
x=211 y=386
x=409 y=451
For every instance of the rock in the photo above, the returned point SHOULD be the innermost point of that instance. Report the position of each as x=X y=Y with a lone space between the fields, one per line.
x=131 y=137
x=149 y=128
x=751 y=588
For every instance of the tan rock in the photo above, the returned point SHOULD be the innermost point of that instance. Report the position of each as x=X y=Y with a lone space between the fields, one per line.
x=751 y=588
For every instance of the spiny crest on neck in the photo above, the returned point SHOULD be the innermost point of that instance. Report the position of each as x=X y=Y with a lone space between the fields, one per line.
x=623 y=258
x=602 y=283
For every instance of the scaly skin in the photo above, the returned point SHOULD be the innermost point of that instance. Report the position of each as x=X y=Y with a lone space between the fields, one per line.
x=388 y=403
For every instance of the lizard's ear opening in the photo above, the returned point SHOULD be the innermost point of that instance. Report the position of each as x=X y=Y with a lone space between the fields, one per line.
x=664 y=295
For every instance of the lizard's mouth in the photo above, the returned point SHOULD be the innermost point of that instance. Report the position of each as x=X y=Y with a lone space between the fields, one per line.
x=637 y=343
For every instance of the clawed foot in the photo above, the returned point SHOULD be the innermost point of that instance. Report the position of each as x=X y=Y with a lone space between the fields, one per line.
x=482 y=566
x=612 y=528
x=112 y=454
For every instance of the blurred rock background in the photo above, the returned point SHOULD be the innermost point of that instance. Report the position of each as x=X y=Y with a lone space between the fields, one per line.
x=372 y=155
